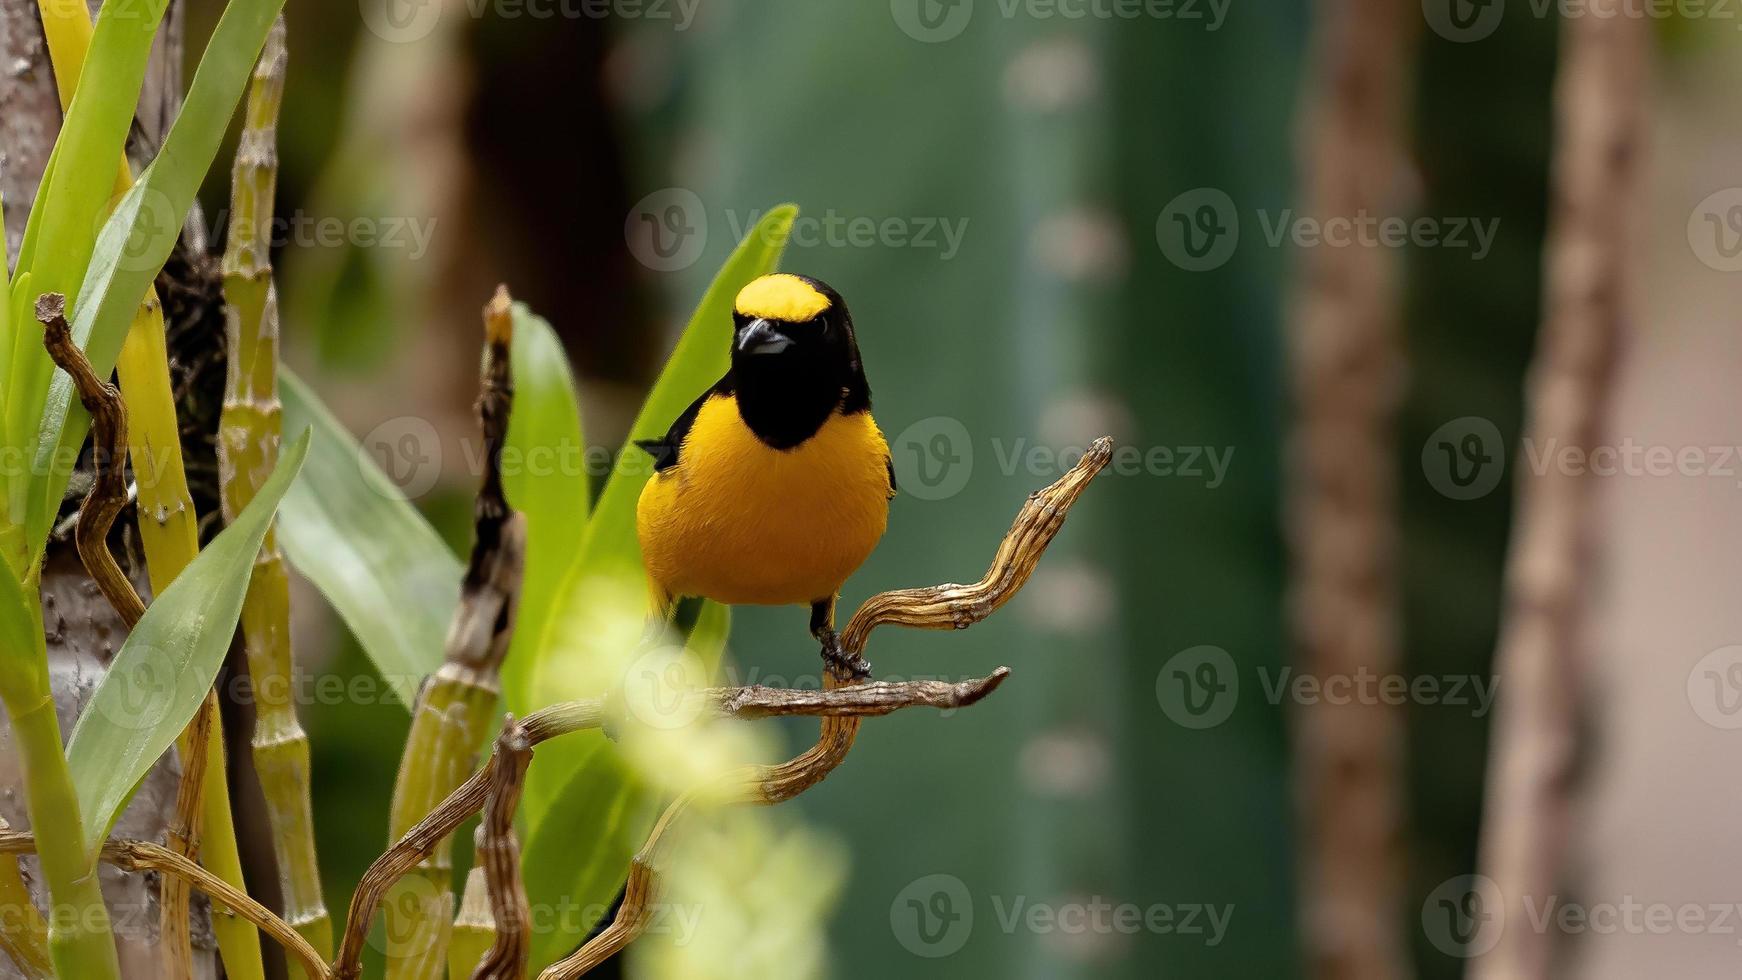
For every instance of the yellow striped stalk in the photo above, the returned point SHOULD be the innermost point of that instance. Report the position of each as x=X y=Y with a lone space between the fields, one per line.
x=474 y=928
x=168 y=527
x=455 y=711
x=248 y=438
x=169 y=535
x=25 y=938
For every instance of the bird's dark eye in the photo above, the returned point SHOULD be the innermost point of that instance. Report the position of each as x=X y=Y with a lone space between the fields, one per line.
x=823 y=324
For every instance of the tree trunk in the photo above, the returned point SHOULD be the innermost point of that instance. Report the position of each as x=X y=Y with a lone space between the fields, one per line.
x=1342 y=511
x=1590 y=289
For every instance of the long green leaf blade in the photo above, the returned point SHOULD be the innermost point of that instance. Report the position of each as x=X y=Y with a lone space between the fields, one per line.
x=138 y=237
x=71 y=201
x=544 y=470
x=348 y=529
x=168 y=661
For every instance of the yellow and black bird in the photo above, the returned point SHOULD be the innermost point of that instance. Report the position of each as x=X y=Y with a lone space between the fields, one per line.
x=774 y=485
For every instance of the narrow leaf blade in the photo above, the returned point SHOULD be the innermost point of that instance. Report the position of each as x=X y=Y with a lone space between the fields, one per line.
x=347 y=528
x=544 y=470
x=168 y=662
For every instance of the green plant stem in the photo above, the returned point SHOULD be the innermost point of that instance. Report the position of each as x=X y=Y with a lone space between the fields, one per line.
x=453 y=719
x=79 y=938
x=454 y=714
x=169 y=536
x=248 y=440
x=474 y=928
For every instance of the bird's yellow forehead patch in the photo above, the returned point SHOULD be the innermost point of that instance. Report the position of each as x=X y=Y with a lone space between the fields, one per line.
x=781 y=296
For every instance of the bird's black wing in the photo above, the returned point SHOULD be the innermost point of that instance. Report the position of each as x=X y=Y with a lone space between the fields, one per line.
x=665 y=449
x=889 y=462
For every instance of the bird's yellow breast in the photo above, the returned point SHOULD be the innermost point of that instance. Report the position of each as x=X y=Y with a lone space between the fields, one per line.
x=740 y=522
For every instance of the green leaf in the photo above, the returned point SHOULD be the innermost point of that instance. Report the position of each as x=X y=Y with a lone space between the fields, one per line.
x=605 y=800
x=544 y=470
x=348 y=529
x=167 y=663
x=72 y=200
x=23 y=657
x=143 y=229
x=609 y=555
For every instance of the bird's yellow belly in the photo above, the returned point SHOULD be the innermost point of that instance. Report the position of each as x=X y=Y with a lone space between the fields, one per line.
x=739 y=522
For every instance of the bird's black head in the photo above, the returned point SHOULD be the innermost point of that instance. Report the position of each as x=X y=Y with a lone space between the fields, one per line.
x=795 y=360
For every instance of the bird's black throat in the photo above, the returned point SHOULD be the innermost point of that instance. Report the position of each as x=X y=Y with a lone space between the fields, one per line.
x=785 y=398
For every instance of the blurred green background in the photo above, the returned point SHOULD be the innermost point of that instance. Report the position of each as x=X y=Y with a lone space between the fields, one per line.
x=1014 y=292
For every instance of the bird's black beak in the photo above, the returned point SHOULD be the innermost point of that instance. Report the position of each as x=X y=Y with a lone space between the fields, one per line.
x=760 y=336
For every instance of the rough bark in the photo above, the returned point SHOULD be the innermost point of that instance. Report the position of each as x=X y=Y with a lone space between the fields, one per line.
x=1342 y=499
x=1590 y=288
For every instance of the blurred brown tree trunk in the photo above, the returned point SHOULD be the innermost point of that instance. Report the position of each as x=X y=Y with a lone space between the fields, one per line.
x=1342 y=498
x=1589 y=298
x=84 y=632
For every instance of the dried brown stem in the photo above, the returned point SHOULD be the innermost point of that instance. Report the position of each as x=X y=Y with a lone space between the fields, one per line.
x=183 y=838
x=935 y=607
x=108 y=495
x=574 y=716
x=105 y=501
x=499 y=853
x=1589 y=291
x=138 y=855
